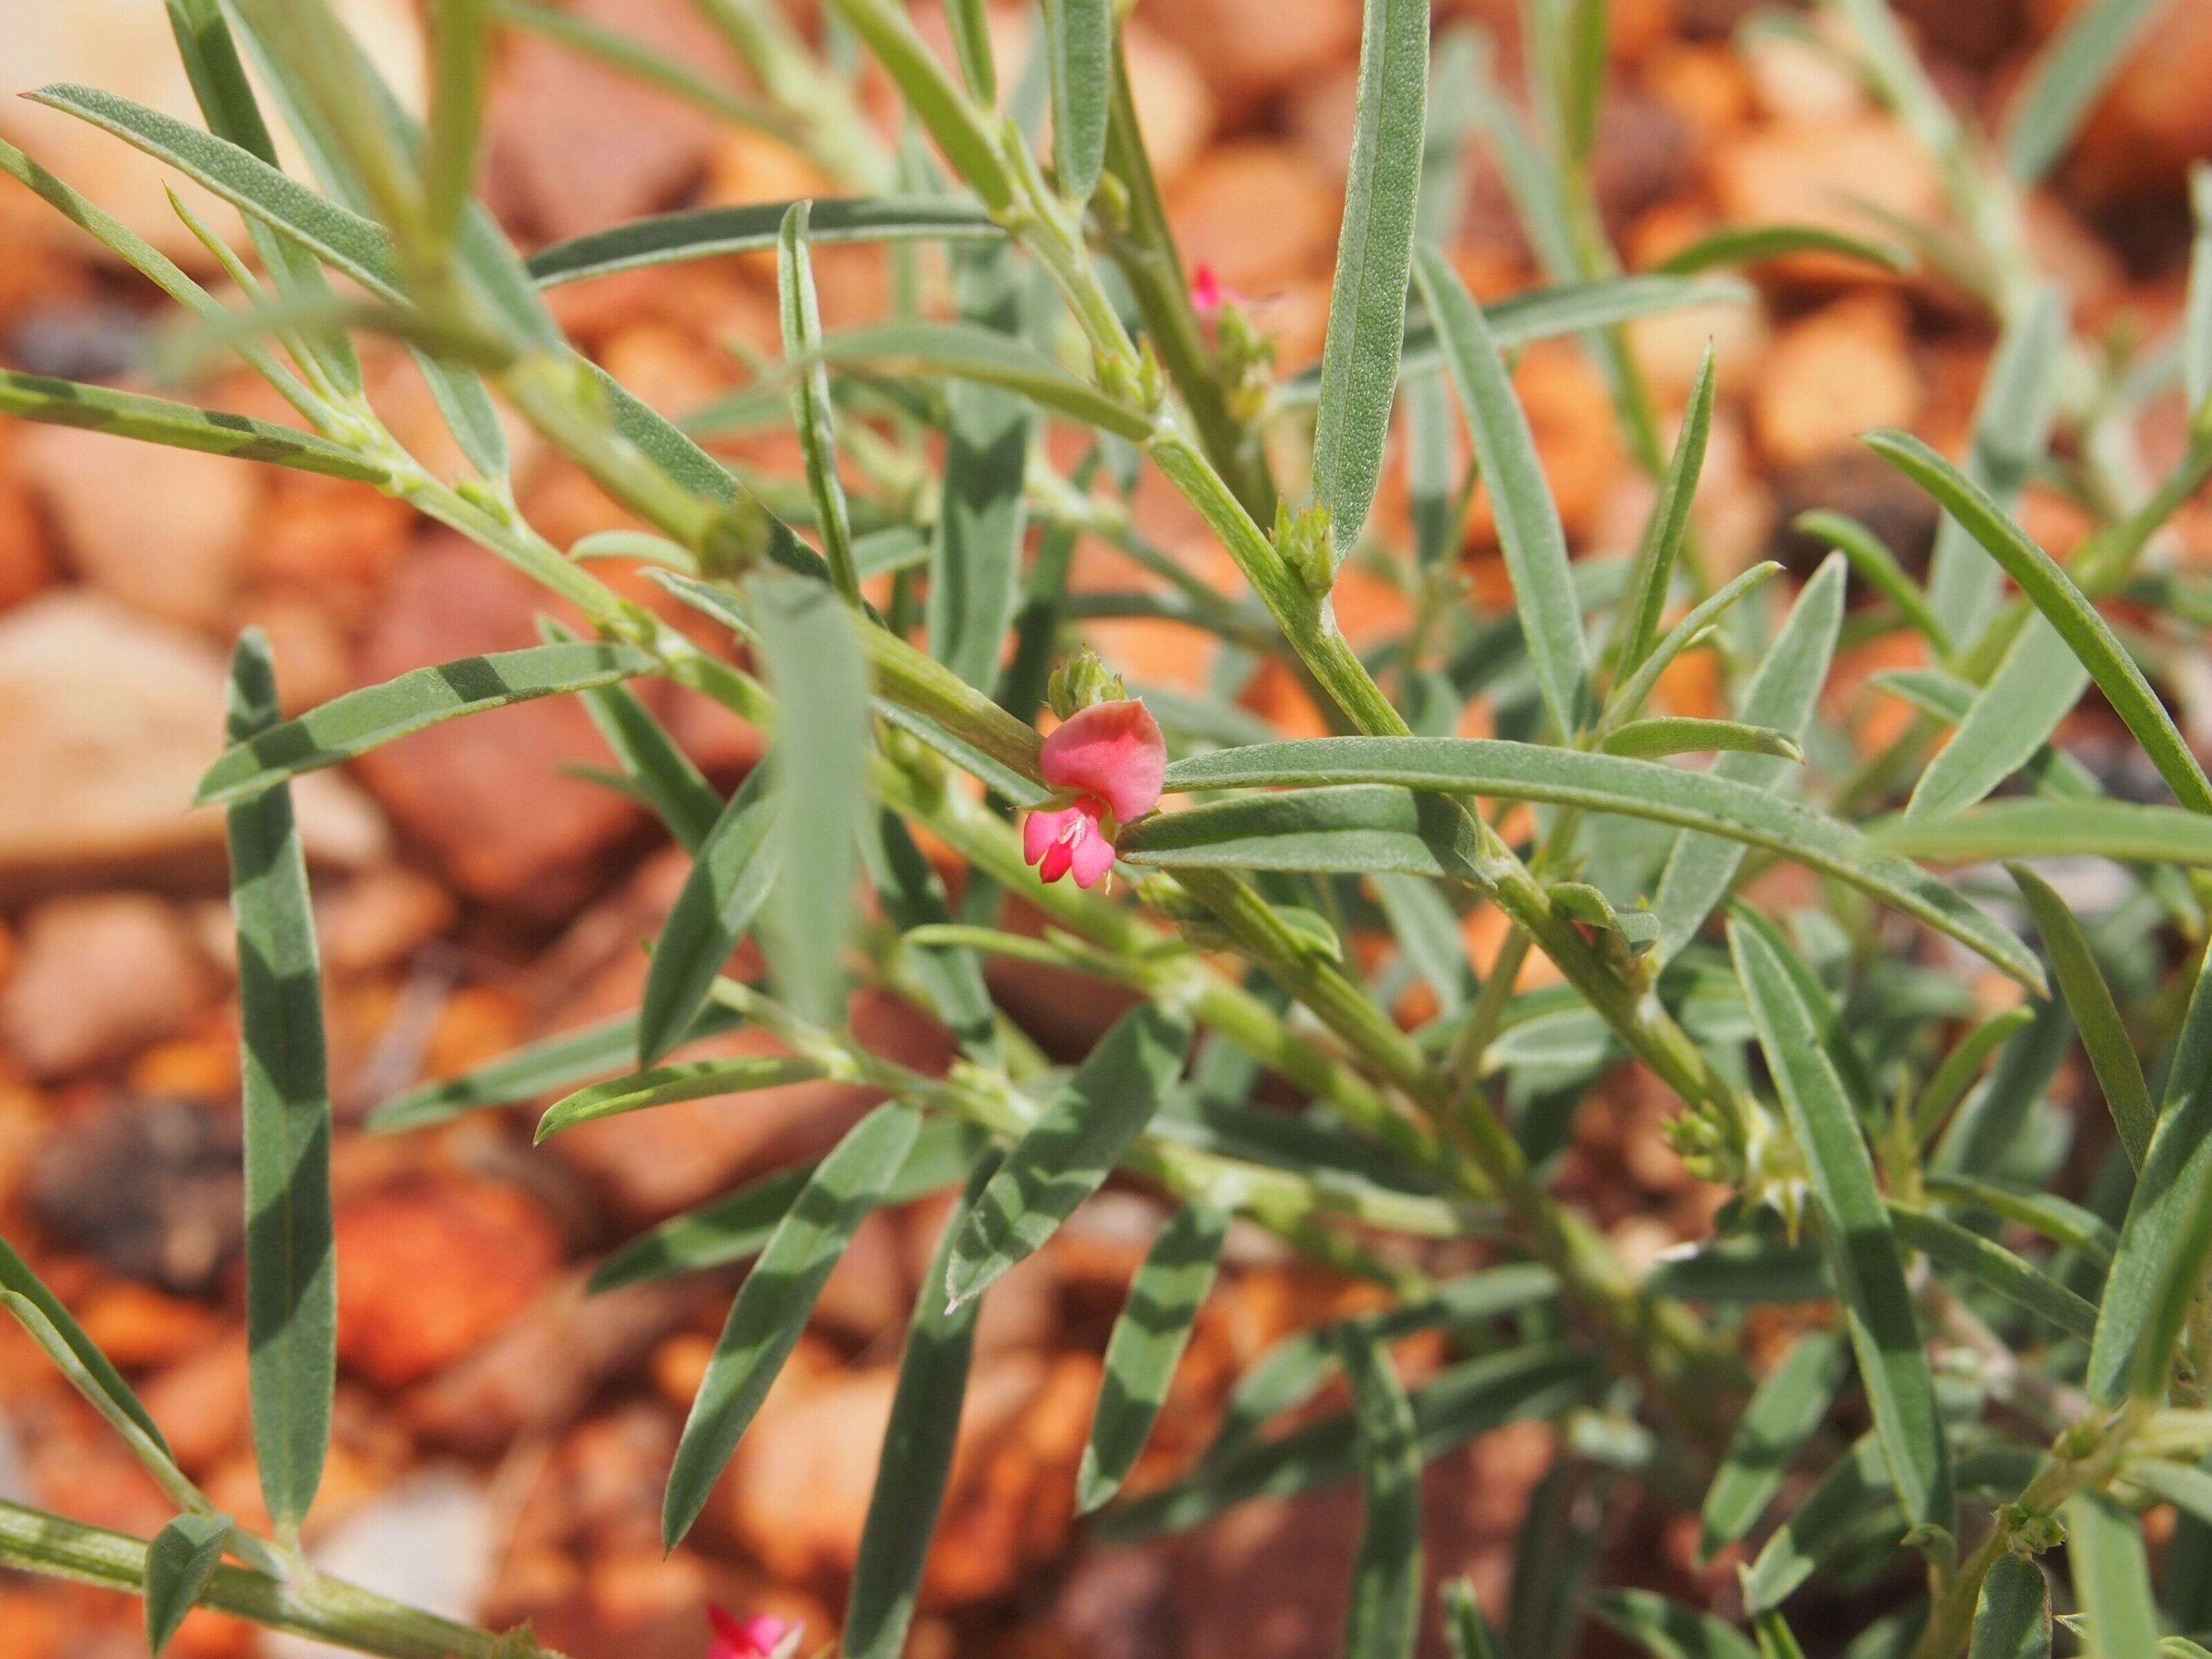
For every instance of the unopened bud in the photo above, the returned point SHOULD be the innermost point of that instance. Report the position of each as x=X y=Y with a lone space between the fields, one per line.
x=1081 y=681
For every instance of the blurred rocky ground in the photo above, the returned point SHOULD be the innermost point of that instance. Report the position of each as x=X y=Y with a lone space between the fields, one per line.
x=502 y=1440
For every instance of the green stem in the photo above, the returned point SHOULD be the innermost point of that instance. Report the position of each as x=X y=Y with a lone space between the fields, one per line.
x=324 y=1609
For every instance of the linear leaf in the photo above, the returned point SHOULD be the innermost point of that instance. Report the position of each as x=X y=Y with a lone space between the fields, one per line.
x=359 y=720
x=1465 y=1628
x=17 y=1279
x=2096 y=1016
x=1654 y=571
x=1148 y=1340
x=291 y=1273
x=2166 y=1241
x=179 y=1563
x=2012 y=1615
x=968 y=22
x=2104 y=1546
x=919 y=1442
x=736 y=1226
x=1656 y=738
x=820 y=779
x=533 y=1070
x=1545 y=314
x=1072 y=1147
x=663 y=774
x=1780 y=697
x=2197 y=310
x=1787 y=1407
x=1878 y=568
x=1855 y=1484
x=729 y=881
x=1080 y=34
x=2017 y=828
x=908 y=888
x=1384 y=1616
x=2012 y=425
x=1745 y=245
x=773 y=1305
x=1374 y=259
x=2064 y=605
x=2063 y=82
x=976 y=563
x=1697 y=623
x=179 y=426
x=1532 y=1382
x=2037 y=681
x=713 y=232
x=976 y=356
x=801 y=317
x=1668 y=1630
x=1329 y=828
x=1855 y=1232
x=2065 y=1223
x=664 y=1086
x=1528 y=518
x=1995 y=1268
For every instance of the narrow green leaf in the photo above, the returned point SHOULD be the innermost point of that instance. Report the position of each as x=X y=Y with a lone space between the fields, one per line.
x=2038 y=680
x=535 y=1069
x=291 y=1275
x=1072 y=1147
x=16 y=1279
x=820 y=779
x=1545 y=314
x=460 y=61
x=2090 y=999
x=1780 y=697
x=1995 y=1268
x=2165 y=1243
x=1385 y=1614
x=1741 y=1270
x=730 y=879
x=2111 y=1576
x=1776 y=1639
x=1534 y=1380
x=1856 y=1234
x=1374 y=259
x=1697 y=623
x=179 y=426
x=2187 y=1486
x=178 y=1564
x=1789 y=1404
x=1676 y=734
x=919 y=1441
x=773 y=1305
x=962 y=130
x=1878 y=568
x=2063 y=82
x=1670 y=521
x=975 y=565
x=1428 y=932
x=209 y=56
x=359 y=720
x=1747 y=245
x=2197 y=310
x=2012 y=425
x=1328 y=829
x=1079 y=36
x=912 y=897
x=1466 y=1630
x=713 y=232
x=1584 y=52
x=736 y=1226
x=2012 y=1615
x=1668 y=1630
x=2027 y=828
x=1528 y=518
x=1146 y=1344
x=810 y=411
x=2065 y=1223
x=664 y=1086
x=968 y=23
x=2063 y=605
x=663 y=774
x=983 y=364
x=1854 y=1485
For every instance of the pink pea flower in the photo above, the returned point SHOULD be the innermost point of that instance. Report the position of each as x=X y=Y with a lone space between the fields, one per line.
x=1208 y=293
x=761 y=1637
x=1112 y=757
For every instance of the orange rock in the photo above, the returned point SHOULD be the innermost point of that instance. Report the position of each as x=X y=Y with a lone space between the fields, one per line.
x=1831 y=376
x=1705 y=85
x=1572 y=417
x=403 y=1312
x=478 y=1023
x=101 y=975
x=380 y=918
x=1804 y=174
x=328 y=534
x=1254 y=212
x=136 y=1325
x=1250 y=49
x=2153 y=121
x=25 y=563
x=203 y=1068
x=200 y=1402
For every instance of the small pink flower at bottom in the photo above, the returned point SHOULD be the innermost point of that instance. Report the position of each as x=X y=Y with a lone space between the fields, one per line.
x=1112 y=759
x=1206 y=291
x=761 y=1637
